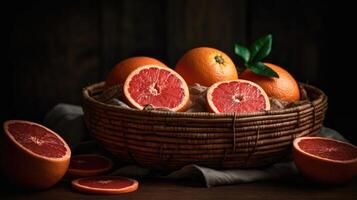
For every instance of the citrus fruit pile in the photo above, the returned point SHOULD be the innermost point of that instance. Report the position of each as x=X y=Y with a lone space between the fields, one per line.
x=148 y=82
x=35 y=157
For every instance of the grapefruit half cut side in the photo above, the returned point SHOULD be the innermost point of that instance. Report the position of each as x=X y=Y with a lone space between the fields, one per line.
x=325 y=160
x=157 y=86
x=105 y=185
x=32 y=155
x=237 y=96
x=88 y=165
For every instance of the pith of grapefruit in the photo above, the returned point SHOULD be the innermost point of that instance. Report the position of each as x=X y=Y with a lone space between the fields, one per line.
x=325 y=160
x=105 y=185
x=206 y=66
x=157 y=86
x=88 y=165
x=33 y=156
x=284 y=88
x=122 y=70
x=239 y=96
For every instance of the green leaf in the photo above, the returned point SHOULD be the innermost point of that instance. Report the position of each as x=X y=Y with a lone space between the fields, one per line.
x=261 y=69
x=242 y=52
x=260 y=48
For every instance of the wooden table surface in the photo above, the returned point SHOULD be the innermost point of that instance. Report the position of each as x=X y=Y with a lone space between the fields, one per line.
x=290 y=188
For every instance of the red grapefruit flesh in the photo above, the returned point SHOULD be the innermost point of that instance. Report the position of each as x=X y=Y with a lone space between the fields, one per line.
x=33 y=156
x=105 y=185
x=237 y=96
x=157 y=86
x=88 y=165
x=325 y=160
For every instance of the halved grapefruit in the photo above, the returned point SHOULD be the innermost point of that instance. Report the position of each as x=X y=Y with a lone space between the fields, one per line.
x=88 y=165
x=121 y=70
x=325 y=160
x=32 y=155
x=157 y=86
x=105 y=185
x=239 y=96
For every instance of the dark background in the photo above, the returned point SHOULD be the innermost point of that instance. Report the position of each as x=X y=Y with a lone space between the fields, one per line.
x=55 y=48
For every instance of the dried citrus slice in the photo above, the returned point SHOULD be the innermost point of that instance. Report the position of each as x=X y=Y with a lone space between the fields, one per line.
x=325 y=160
x=157 y=86
x=88 y=165
x=238 y=96
x=33 y=156
x=105 y=185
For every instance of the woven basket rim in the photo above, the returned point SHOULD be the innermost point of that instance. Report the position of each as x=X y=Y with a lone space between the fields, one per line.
x=97 y=87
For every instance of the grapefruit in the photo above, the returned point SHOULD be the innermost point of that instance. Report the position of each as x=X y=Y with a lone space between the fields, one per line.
x=206 y=66
x=237 y=96
x=157 y=86
x=325 y=160
x=121 y=70
x=105 y=185
x=284 y=88
x=33 y=156
x=88 y=165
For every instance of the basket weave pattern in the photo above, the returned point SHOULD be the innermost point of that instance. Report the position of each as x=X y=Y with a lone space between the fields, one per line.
x=170 y=140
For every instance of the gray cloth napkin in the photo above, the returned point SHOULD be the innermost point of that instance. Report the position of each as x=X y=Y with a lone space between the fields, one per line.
x=67 y=120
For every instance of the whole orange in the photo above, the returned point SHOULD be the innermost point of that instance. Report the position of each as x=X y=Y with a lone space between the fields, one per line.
x=121 y=70
x=206 y=66
x=284 y=88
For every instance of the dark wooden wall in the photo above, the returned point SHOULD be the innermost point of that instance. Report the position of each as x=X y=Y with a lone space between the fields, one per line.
x=58 y=47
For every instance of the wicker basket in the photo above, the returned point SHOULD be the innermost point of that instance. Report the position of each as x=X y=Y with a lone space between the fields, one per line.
x=170 y=140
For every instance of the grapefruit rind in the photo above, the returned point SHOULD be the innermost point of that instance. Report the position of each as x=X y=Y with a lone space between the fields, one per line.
x=323 y=170
x=184 y=102
x=90 y=172
x=211 y=89
x=85 y=189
